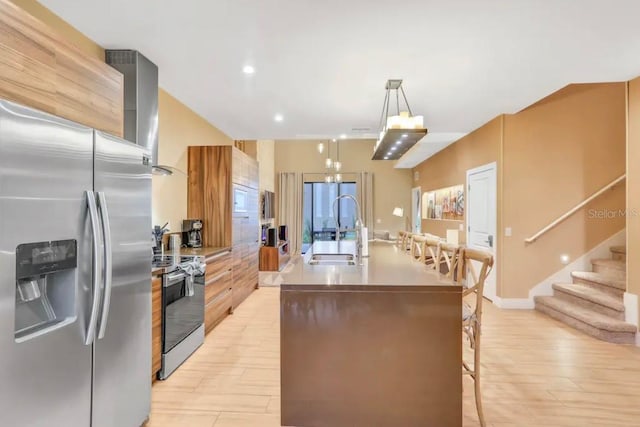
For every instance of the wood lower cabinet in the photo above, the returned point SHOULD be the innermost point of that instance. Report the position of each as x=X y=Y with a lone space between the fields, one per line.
x=156 y=326
x=218 y=289
x=274 y=258
x=223 y=191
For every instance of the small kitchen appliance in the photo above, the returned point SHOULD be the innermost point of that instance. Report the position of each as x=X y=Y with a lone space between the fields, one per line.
x=192 y=232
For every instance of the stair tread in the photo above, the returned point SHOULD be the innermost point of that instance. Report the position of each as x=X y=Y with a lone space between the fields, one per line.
x=596 y=320
x=611 y=263
x=601 y=279
x=592 y=295
x=618 y=249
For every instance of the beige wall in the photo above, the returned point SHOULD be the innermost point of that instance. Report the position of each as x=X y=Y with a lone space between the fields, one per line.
x=449 y=167
x=550 y=157
x=556 y=154
x=178 y=125
x=633 y=188
x=392 y=187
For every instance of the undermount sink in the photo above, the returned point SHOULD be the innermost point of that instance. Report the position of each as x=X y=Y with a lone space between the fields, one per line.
x=332 y=259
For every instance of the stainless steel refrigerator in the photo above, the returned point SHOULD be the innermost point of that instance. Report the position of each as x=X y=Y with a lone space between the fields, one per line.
x=75 y=277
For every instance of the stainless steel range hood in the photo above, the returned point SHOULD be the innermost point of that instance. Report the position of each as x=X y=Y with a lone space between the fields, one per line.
x=140 y=101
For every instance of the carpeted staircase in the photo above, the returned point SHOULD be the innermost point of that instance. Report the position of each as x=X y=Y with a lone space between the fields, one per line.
x=593 y=303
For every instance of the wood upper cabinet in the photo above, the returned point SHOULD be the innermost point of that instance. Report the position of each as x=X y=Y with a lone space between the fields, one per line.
x=223 y=191
x=39 y=69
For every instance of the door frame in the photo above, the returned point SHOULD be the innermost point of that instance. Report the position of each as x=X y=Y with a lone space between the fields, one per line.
x=486 y=167
x=416 y=194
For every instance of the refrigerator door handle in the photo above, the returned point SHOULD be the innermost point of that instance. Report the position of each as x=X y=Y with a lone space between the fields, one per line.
x=108 y=263
x=93 y=215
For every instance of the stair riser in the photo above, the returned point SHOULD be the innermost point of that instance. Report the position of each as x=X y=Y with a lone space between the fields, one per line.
x=612 y=272
x=614 y=337
x=618 y=256
x=608 y=289
x=589 y=305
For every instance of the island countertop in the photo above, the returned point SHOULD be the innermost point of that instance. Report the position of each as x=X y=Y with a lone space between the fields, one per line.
x=386 y=266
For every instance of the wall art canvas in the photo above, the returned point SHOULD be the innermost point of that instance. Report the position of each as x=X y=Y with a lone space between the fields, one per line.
x=444 y=203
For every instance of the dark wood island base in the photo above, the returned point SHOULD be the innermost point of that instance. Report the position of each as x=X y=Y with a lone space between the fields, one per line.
x=370 y=354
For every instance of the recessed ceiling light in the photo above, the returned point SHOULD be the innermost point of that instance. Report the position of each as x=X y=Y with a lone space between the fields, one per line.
x=405 y=135
x=248 y=69
x=389 y=153
x=398 y=142
x=393 y=148
x=343 y=136
x=278 y=118
x=386 y=158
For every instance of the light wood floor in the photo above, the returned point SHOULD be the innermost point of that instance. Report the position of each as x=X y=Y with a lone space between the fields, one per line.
x=537 y=372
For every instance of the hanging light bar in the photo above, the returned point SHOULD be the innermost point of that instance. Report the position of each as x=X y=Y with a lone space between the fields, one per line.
x=401 y=131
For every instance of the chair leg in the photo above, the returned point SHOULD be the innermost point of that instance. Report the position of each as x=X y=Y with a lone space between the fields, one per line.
x=476 y=379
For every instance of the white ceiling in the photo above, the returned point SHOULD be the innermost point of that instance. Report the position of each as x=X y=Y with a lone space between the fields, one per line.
x=323 y=64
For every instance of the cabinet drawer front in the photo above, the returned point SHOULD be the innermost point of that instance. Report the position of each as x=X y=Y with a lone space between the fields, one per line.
x=217 y=310
x=217 y=284
x=218 y=264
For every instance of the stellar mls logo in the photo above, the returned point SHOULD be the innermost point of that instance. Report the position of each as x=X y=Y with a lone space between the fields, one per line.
x=612 y=213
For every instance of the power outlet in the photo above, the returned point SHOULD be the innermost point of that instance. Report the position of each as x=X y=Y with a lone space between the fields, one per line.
x=507 y=232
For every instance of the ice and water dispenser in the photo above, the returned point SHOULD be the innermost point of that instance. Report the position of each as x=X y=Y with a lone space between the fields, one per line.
x=46 y=277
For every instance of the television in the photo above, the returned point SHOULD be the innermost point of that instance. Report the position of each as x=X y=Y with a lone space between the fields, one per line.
x=269 y=205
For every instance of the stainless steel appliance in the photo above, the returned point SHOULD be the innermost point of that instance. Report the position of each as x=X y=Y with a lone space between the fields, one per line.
x=192 y=232
x=75 y=294
x=182 y=309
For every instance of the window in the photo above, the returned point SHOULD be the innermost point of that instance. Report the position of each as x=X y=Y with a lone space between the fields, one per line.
x=318 y=217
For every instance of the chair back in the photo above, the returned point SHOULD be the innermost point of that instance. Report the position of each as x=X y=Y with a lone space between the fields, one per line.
x=449 y=254
x=431 y=252
x=400 y=238
x=418 y=247
x=474 y=280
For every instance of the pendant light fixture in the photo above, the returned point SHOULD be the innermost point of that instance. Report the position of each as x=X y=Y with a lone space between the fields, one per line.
x=320 y=147
x=400 y=132
x=328 y=163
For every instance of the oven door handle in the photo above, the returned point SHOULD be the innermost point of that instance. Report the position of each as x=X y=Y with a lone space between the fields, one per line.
x=172 y=279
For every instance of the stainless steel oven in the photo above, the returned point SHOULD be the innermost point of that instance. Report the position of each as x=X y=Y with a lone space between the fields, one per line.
x=182 y=311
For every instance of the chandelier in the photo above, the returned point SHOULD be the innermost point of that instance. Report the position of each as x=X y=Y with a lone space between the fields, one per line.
x=333 y=167
x=400 y=132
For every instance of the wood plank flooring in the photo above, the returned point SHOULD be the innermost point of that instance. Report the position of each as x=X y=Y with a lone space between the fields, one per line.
x=537 y=372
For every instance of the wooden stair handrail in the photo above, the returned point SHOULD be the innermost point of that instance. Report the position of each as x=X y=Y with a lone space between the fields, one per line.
x=576 y=208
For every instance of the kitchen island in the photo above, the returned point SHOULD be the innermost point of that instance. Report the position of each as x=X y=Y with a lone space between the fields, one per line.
x=377 y=344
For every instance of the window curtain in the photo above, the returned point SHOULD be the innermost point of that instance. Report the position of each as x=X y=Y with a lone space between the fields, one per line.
x=290 y=207
x=364 y=184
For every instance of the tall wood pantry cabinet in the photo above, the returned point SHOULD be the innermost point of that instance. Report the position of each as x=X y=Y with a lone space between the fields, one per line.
x=223 y=192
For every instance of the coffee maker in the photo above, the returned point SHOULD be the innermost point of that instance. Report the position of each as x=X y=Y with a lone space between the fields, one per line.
x=192 y=233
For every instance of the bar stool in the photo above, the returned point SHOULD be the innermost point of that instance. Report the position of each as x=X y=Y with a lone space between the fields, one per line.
x=472 y=315
x=418 y=247
x=431 y=251
x=448 y=253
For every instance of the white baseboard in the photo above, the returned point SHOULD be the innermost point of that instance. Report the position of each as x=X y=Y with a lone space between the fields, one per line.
x=514 y=303
x=631 y=308
x=582 y=263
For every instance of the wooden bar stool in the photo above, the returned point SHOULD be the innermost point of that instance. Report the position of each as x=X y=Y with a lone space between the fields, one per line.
x=418 y=247
x=431 y=251
x=472 y=313
x=448 y=253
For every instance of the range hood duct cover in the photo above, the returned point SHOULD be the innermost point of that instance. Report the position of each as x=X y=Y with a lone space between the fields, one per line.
x=140 y=101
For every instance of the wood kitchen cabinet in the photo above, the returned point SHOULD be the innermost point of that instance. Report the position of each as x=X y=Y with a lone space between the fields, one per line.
x=223 y=192
x=156 y=326
x=218 y=288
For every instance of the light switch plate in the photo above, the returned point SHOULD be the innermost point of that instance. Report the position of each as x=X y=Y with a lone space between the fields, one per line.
x=461 y=227
x=507 y=232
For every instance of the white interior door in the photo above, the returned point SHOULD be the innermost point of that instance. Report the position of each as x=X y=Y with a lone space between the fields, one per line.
x=416 y=210
x=481 y=216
